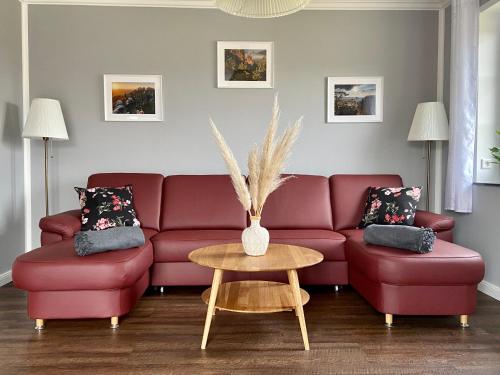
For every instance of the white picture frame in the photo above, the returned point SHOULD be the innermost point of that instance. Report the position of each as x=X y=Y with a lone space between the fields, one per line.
x=257 y=50
x=355 y=94
x=128 y=83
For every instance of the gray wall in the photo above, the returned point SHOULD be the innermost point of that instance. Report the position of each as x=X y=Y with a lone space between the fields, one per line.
x=478 y=230
x=11 y=162
x=71 y=47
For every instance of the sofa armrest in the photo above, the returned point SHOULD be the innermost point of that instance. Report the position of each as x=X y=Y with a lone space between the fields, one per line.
x=65 y=224
x=437 y=222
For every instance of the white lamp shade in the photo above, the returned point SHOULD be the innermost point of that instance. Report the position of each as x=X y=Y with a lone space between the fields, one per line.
x=45 y=120
x=429 y=123
x=261 y=8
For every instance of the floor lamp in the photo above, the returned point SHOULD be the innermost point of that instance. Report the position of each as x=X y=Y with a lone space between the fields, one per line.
x=45 y=121
x=429 y=124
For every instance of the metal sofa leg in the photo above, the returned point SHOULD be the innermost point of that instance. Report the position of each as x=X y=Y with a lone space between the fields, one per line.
x=162 y=289
x=114 y=322
x=337 y=288
x=388 y=320
x=464 y=321
x=39 y=324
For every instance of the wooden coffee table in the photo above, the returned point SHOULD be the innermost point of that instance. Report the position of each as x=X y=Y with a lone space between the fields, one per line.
x=254 y=296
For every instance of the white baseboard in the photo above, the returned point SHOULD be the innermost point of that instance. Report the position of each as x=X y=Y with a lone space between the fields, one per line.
x=490 y=289
x=5 y=277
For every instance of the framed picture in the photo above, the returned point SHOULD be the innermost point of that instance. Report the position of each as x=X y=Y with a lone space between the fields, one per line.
x=245 y=65
x=355 y=99
x=130 y=97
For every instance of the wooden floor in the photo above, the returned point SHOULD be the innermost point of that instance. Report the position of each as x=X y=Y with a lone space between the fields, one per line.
x=162 y=335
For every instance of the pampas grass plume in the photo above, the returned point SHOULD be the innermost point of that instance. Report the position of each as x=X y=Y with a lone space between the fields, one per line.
x=265 y=163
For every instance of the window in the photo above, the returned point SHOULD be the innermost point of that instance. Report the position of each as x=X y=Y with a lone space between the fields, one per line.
x=486 y=170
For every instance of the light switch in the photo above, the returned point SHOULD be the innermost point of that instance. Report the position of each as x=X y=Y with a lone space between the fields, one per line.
x=486 y=163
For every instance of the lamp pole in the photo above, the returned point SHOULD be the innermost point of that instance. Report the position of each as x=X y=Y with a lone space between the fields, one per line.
x=45 y=144
x=428 y=193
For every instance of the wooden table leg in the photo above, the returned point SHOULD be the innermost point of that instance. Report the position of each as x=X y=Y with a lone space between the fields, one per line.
x=293 y=279
x=211 y=305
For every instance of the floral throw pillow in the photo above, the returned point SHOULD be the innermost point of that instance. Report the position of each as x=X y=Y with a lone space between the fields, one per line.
x=387 y=205
x=105 y=207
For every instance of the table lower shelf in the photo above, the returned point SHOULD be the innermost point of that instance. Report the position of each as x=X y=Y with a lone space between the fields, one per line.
x=254 y=296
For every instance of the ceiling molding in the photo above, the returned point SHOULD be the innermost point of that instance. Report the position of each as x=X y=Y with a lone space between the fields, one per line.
x=210 y=4
x=376 y=5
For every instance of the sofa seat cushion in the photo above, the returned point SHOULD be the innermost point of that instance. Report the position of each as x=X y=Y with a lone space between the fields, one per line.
x=57 y=267
x=447 y=264
x=175 y=245
x=327 y=242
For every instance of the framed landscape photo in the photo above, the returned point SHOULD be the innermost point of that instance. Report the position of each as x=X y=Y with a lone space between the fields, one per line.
x=130 y=97
x=245 y=65
x=355 y=99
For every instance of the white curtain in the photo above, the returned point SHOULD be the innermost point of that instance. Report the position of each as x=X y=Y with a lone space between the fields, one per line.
x=463 y=104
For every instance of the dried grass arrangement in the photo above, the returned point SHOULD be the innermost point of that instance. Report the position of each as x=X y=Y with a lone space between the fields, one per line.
x=265 y=163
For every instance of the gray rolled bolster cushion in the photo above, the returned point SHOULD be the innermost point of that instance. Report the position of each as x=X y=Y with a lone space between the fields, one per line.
x=419 y=240
x=93 y=242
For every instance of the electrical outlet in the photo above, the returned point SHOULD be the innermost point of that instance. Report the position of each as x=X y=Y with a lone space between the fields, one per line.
x=486 y=163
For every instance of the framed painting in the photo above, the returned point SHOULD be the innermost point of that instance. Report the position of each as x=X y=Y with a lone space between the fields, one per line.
x=245 y=65
x=355 y=99
x=129 y=97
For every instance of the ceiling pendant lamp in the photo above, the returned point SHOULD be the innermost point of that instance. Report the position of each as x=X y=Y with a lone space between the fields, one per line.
x=261 y=8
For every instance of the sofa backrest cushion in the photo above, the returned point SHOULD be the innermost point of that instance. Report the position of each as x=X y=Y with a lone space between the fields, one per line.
x=146 y=188
x=201 y=202
x=349 y=193
x=302 y=202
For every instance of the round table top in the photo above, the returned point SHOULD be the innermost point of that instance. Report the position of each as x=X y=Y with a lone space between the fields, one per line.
x=231 y=257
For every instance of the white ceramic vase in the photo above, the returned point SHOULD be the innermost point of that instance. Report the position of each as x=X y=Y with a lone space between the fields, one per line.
x=255 y=238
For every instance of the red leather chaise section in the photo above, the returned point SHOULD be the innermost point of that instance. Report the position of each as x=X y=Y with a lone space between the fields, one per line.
x=447 y=264
x=393 y=281
x=58 y=267
x=62 y=285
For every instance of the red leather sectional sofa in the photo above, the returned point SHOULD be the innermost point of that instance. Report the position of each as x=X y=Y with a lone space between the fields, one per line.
x=181 y=213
